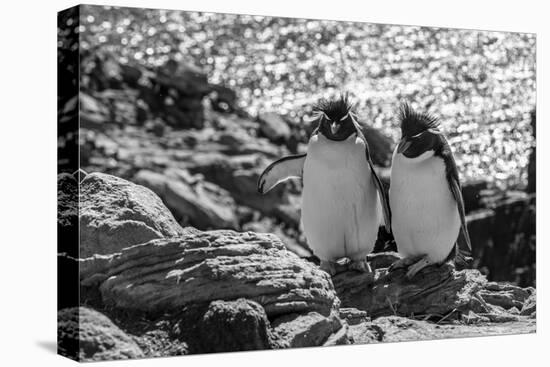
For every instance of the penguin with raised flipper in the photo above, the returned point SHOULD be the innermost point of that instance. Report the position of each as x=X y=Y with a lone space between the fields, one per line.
x=425 y=195
x=343 y=201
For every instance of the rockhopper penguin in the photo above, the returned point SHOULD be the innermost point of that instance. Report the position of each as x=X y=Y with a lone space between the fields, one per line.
x=425 y=196
x=343 y=201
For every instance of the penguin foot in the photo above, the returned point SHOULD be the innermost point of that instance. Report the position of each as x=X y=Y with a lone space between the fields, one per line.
x=360 y=265
x=419 y=265
x=404 y=263
x=328 y=266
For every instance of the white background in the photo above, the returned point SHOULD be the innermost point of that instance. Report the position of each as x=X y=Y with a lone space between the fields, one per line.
x=28 y=182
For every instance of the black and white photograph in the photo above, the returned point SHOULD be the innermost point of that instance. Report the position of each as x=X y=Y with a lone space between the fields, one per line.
x=233 y=182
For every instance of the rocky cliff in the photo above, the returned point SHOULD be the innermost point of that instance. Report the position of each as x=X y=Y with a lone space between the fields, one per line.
x=149 y=287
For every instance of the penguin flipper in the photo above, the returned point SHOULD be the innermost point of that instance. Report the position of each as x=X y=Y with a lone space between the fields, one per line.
x=281 y=170
x=457 y=194
x=377 y=183
x=383 y=198
x=454 y=186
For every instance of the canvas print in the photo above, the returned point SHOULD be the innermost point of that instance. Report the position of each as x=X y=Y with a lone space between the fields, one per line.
x=234 y=182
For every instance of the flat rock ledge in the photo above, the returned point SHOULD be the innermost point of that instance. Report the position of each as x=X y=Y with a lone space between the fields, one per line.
x=225 y=291
x=435 y=293
x=167 y=274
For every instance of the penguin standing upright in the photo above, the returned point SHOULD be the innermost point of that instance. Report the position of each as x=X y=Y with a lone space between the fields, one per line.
x=343 y=201
x=425 y=196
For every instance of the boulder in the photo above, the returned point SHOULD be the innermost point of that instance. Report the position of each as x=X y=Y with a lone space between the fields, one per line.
x=196 y=202
x=203 y=205
x=437 y=292
x=167 y=274
x=67 y=214
x=187 y=79
x=353 y=316
x=530 y=306
x=239 y=175
x=268 y=225
x=87 y=335
x=274 y=127
x=308 y=330
x=116 y=213
x=94 y=114
x=234 y=326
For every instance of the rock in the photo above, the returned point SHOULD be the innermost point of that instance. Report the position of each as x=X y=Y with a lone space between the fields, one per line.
x=152 y=180
x=167 y=274
x=204 y=204
x=180 y=88
x=399 y=329
x=503 y=237
x=224 y=99
x=239 y=175
x=380 y=146
x=353 y=316
x=234 y=326
x=382 y=260
x=505 y=295
x=94 y=114
x=530 y=305
x=307 y=330
x=267 y=225
x=436 y=292
x=201 y=204
x=185 y=78
x=289 y=214
x=274 y=127
x=87 y=335
x=471 y=192
x=67 y=214
x=116 y=213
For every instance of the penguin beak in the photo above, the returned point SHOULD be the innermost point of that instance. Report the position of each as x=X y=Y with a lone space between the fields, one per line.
x=334 y=128
x=404 y=144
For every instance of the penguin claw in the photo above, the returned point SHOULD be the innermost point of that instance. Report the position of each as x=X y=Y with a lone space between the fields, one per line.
x=417 y=267
x=361 y=266
x=402 y=263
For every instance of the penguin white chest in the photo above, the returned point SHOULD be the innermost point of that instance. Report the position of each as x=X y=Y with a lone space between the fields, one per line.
x=425 y=218
x=341 y=212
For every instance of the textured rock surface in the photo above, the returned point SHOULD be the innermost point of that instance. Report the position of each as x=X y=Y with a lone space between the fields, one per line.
x=435 y=292
x=192 y=200
x=166 y=274
x=67 y=214
x=308 y=330
x=234 y=326
x=223 y=290
x=274 y=127
x=88 y=335
x=397 y=329
x=239 y=175
x=116 y=213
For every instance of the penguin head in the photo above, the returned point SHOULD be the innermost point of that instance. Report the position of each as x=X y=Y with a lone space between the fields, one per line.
x=420 y=135
x=335 y=117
